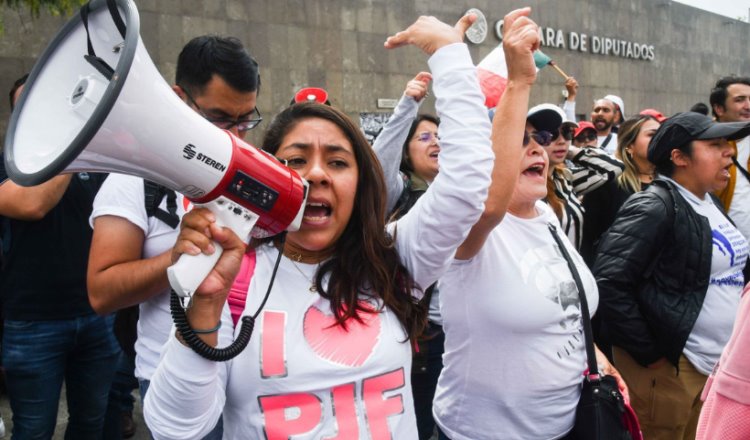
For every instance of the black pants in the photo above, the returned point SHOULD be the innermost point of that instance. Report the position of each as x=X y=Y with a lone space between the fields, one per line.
x=425 y=370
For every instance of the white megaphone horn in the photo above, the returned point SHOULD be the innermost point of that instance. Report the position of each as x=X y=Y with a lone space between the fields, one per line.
x=95 y=102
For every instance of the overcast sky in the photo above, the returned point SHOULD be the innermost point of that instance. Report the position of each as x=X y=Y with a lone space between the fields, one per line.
x=730 y=8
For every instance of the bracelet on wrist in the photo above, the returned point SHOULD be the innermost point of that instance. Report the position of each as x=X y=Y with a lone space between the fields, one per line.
x=207 y=331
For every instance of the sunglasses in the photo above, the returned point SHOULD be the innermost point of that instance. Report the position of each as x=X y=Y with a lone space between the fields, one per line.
x=566 y=131
x=543 y=138
x=426 y=136
x=586 y=137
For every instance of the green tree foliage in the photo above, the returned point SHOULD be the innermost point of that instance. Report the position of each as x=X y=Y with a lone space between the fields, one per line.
x=54 y=7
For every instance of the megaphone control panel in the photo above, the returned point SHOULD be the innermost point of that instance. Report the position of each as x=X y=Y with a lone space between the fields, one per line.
x=253 y=191
x=259 y=182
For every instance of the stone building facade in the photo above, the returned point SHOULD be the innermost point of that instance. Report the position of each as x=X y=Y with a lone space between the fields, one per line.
x=338 y=45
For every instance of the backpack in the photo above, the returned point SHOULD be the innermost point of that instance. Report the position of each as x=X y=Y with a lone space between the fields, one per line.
x=154 y=193
x=126 y=320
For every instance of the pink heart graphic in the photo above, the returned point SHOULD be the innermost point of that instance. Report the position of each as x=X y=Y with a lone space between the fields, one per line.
x=351 y=347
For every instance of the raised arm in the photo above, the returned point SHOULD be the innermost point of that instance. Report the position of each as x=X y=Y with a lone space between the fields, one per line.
x=388 y=145
x=569 y=106
x=592 y=168
x=520 y=40
x=428 y=235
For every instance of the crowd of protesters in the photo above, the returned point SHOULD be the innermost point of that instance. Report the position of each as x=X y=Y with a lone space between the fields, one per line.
x=435 y=287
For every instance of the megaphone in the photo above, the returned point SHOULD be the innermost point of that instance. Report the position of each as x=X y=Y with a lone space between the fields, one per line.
x=95 y=102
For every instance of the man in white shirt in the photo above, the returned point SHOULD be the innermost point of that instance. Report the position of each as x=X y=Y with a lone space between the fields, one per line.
x=135 y=228
x=605 y=114
x=730 y=101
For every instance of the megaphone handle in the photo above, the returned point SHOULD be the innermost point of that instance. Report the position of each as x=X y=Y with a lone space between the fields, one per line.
x=190 y=270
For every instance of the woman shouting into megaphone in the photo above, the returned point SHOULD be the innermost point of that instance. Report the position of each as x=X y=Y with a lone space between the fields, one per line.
x=332 y=354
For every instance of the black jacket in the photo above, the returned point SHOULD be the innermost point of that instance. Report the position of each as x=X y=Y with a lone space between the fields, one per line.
x=653 y=267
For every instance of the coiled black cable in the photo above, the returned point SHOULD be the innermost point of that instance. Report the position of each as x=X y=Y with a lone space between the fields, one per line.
x=246 y=329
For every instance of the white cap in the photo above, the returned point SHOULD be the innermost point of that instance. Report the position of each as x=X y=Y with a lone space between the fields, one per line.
x=616 y=100
x=545 y=117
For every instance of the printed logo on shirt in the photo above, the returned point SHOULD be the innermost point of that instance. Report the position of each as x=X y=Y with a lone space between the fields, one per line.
x=722 y=244
x=547 y=272
x=349 y=347
x=376 y=398
x=729 y=243
x=359 y=409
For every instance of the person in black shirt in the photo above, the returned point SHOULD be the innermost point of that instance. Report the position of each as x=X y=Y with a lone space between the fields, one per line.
x=51 y=333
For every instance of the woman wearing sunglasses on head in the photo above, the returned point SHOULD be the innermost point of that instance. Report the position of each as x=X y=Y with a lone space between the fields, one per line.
x=589 y=169
x=514 y=356
x=601 y=205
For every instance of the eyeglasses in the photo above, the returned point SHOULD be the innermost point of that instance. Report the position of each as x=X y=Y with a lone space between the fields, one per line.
x=543 y=138
x=243 y=125
x=586 y=137
x=566 y=131
x=426 y=136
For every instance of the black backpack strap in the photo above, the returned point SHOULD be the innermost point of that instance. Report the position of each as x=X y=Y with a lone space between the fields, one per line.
x=153 y=195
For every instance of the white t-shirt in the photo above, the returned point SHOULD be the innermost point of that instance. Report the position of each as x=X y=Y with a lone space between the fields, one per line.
x=611 y=145
x=729 y=253
x=299 y=377
x=739 y=210
x=514 y=347
x=310 y=379
x=123 y=196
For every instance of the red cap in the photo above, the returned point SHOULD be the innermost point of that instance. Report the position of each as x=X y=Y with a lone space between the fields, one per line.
x=656 y=114
x=311 y=94
x=583 y=125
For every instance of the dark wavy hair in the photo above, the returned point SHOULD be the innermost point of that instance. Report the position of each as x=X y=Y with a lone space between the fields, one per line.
x=365 y=261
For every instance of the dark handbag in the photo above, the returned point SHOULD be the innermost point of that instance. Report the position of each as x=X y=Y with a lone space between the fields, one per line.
x=601 y=413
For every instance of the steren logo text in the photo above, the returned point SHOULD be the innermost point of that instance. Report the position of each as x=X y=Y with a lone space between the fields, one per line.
x=189 y=153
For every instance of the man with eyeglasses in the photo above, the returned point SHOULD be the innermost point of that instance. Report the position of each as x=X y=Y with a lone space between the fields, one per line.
x=136 y=222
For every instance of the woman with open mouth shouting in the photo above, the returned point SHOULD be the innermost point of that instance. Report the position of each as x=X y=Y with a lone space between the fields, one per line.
x=514 y=352
x=331 y=355
x=588 y=169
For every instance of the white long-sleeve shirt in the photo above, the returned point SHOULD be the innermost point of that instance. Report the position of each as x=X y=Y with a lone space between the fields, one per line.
x=300 y=377
x=389 y=147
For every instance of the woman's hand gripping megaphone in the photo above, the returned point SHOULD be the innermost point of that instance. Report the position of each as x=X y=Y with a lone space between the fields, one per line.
x=257 y=197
